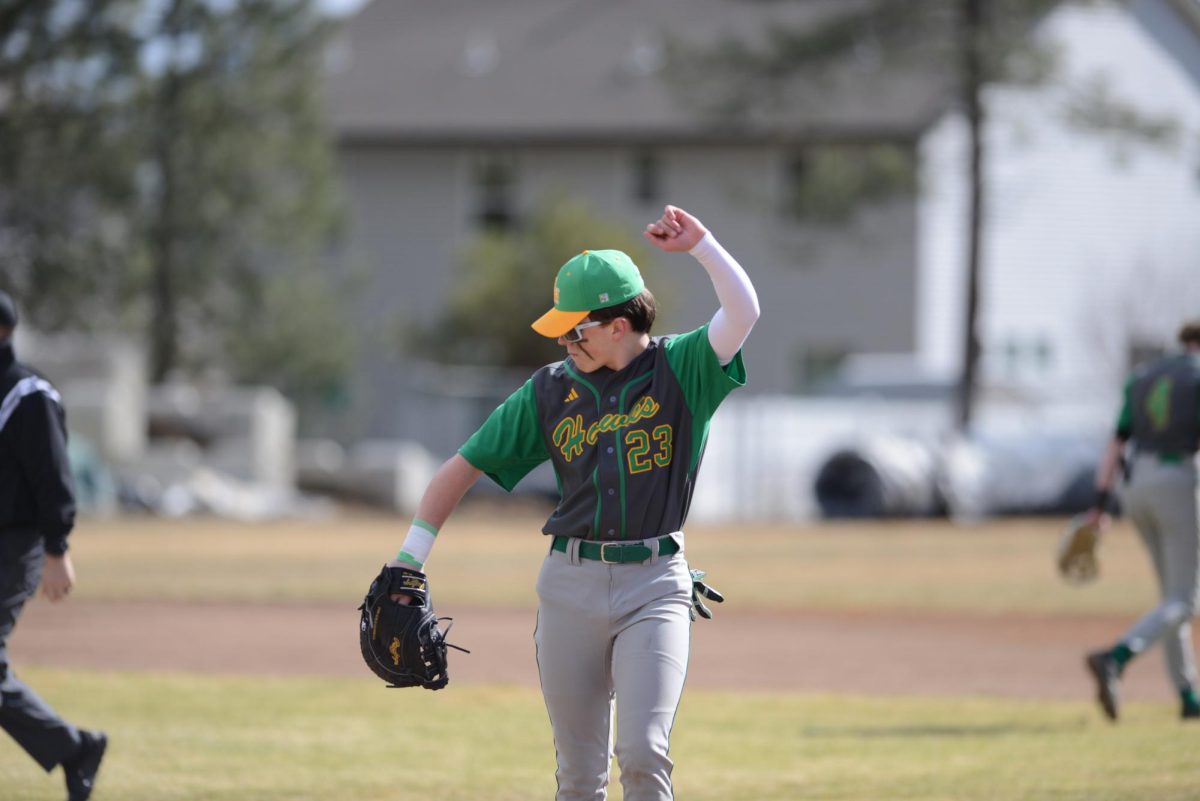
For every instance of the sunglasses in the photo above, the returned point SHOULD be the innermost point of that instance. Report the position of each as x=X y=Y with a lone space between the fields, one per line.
x=576 y=334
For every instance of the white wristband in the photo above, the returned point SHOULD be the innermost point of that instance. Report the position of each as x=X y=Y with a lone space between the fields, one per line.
x=418 y=543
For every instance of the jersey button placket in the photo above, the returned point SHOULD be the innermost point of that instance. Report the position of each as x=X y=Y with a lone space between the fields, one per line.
x=610 y=476
x=612 y=401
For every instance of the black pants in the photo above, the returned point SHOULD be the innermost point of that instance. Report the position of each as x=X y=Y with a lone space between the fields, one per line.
x=27 y=718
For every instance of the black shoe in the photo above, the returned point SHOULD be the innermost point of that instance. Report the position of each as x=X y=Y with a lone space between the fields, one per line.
x=81 y=770
x=1190 y=710
x=1108 y=681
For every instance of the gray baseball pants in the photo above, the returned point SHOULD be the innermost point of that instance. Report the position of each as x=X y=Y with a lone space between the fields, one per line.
x=1162 y=501
x=613 y=636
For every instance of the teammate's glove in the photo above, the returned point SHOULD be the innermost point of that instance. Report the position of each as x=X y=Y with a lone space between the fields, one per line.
x=1077 y=548
x=700 y=591
x=402 y=644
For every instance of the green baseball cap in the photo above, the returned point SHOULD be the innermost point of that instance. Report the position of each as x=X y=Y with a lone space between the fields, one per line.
x=594 y=279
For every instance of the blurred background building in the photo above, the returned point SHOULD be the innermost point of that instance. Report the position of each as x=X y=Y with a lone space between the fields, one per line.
x=478 y=144
x=470 y=116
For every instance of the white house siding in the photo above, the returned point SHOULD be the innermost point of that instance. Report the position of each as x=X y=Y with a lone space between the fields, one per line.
x=1090 y=240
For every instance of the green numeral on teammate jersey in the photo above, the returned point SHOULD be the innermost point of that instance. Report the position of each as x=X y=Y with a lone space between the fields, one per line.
x=1158 y=403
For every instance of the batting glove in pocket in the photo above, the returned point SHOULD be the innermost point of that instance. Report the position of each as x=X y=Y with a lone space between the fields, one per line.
x=700 y=592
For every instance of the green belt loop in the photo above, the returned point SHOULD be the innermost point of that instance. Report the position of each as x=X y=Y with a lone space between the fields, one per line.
x=618 y=553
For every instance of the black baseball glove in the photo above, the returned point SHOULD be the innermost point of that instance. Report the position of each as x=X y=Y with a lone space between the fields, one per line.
x=402 y=644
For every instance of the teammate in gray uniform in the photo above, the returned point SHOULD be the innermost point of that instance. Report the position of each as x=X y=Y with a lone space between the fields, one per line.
x=1161 y=419
x=623 y=419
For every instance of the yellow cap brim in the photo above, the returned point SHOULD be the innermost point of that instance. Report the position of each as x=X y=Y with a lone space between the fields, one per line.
x=555 y=323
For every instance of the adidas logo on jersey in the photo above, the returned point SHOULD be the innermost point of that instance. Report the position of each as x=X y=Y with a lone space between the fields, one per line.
x=572 y=395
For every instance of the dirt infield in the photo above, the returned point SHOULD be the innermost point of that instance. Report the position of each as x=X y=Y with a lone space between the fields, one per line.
x=871 y=653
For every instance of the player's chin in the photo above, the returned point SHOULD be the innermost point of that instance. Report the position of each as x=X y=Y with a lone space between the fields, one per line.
x=583 y=363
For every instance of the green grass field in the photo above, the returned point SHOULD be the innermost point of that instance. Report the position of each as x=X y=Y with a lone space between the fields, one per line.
x=196 y=737
x=184 y=738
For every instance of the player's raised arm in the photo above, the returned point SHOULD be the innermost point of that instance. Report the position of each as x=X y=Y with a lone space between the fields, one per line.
x=677 y=231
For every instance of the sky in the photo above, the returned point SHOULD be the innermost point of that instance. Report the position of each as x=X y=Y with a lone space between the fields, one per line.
x=341 y=6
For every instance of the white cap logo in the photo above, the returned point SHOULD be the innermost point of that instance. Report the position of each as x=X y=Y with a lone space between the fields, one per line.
x=604 y=297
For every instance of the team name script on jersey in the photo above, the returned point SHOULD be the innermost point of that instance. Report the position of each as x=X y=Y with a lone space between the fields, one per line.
x=570 y=436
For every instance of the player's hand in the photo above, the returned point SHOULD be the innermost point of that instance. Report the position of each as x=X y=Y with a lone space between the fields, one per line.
x=402 y=598
x=1098 y=517
x=58 y=577
x=675 y=231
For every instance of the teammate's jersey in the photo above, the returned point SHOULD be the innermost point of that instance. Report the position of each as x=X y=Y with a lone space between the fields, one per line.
x=1162 y=406
x=626 y=445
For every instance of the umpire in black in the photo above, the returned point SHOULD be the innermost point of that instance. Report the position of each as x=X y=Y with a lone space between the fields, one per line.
x=37 y=512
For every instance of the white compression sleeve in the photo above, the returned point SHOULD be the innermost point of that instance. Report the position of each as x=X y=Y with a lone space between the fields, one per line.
x=739 y=303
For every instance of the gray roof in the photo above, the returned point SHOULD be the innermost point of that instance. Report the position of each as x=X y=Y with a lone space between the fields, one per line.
x=1175 y=25
x=546 y=71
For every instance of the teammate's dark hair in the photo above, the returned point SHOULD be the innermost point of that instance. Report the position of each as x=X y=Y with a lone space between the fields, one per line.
x=640 y=312
x=1190 y=333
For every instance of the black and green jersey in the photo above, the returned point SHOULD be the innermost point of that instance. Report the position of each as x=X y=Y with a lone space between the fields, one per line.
x=1161 y=412
x=626 y=445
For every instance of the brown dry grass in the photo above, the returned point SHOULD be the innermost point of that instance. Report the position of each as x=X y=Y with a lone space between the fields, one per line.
x=490 y=555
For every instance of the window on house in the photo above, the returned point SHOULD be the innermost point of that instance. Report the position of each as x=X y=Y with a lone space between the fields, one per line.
x=828 y=183
x=1025 y=356
x=1044 y=354
x=795 y=179
x=817 y=367
x=495 y=180
x=1012 y=357
x=647 y=177
x=1141 y=351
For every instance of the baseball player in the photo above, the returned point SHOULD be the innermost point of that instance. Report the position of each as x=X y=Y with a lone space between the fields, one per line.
x=1160 y=418
x=623 y=419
